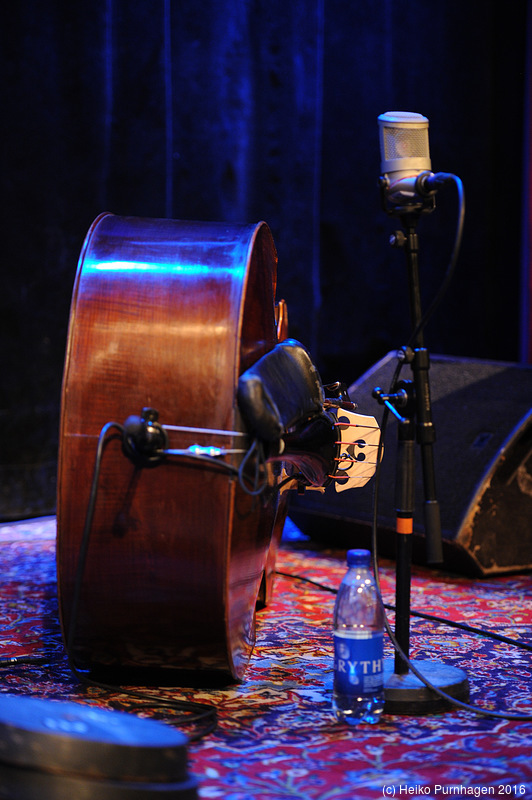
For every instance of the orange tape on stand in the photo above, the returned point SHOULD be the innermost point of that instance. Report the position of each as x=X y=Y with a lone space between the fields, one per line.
x=404 y=524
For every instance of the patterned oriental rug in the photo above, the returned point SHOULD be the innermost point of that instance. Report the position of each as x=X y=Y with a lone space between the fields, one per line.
x=276 y=736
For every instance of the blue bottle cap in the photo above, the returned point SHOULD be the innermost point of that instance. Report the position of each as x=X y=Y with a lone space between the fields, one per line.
x=358 y=557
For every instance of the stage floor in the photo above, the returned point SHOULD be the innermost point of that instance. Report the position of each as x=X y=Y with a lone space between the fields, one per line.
x=276 y=736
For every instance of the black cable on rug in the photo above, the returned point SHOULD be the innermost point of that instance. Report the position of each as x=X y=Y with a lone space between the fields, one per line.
x=430 y=617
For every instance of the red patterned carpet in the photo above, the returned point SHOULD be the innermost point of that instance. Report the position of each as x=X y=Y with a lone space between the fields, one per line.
x=276 y=737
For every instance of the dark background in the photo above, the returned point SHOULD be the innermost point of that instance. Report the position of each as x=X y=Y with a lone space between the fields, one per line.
x=241 y=111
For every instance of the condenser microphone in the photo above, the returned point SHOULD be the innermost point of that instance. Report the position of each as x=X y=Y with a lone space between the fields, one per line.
x=406 y=176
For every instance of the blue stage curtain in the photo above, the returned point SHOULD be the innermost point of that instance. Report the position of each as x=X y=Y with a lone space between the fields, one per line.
x=249 y=110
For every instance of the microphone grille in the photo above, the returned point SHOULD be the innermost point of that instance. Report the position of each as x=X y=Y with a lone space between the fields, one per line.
x=404 y=140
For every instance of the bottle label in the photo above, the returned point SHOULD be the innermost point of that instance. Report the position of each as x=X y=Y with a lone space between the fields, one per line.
x=358 y=661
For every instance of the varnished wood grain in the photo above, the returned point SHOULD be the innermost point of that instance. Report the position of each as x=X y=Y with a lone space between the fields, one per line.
x=164 y=314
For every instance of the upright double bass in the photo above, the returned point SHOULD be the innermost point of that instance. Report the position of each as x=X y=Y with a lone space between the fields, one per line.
x=169 y=496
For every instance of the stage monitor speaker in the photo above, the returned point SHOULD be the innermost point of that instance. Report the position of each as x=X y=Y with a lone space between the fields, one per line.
x=482 y=414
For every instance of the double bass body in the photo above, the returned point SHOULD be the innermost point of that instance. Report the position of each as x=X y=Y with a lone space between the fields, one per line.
x=165 y=314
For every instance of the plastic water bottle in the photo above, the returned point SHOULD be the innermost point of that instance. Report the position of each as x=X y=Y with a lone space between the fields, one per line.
x=358 y=690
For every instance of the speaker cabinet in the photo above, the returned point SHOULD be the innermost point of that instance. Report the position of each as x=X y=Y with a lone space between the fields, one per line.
x=482 y=414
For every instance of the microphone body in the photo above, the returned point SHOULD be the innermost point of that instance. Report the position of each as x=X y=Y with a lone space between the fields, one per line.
x=407 y=179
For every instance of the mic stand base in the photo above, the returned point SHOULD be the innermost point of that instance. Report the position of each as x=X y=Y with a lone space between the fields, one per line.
x=406 y=694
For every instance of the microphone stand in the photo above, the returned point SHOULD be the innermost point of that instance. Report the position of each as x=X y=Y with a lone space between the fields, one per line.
x=404 y=692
